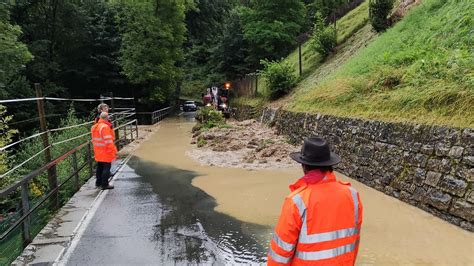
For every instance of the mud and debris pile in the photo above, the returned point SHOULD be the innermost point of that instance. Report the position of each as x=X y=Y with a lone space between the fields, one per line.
x=247 y=144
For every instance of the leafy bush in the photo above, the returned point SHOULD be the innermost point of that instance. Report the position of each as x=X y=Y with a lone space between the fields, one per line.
x=378 y=13
x=201 y=142
x=210 y=117
x=324 y=38
x=30 y=147
x=279 y=77
x=5 y=137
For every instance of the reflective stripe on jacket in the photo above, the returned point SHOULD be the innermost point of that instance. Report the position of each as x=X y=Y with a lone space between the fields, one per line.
x=103 y=138
x=319 y=224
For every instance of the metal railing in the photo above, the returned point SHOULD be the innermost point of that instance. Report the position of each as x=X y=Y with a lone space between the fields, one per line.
x=25 y=210
x=23 y=183
x=158 y=115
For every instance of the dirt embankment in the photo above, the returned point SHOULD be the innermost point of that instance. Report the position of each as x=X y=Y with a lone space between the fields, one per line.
x=247 y=144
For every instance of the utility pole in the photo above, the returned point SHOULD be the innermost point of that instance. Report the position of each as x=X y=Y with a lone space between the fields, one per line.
x=52 y=177
x=300 y=40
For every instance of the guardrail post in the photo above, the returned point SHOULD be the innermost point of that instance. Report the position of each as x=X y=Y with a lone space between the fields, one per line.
x=25 y=206
x=136 y=128
x=89 y=159
x=52 y=177
x=131 y=132
x=125 y=134
x=75 y=167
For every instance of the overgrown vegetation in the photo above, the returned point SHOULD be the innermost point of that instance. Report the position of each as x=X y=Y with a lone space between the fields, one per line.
x=209 y=117
x=6 y=135
x=38 y=187
x=324 y=37
x=421 y=70
x=279 y=78
x=347 y=26
x=378 y=13
x=228 y=39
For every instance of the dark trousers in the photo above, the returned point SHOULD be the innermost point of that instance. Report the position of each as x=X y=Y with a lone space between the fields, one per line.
x=103 y=174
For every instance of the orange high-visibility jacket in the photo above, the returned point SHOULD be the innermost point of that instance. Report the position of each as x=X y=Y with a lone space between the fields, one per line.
x=319 y=224
x=103 y=137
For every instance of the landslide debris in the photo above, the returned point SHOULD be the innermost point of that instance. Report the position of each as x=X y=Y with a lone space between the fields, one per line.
x=247 y=144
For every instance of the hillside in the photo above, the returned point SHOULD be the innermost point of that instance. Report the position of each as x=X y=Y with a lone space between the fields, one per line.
x=420 y=70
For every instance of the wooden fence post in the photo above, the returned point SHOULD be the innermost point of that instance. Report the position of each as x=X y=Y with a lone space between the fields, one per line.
x=25 y=204
x=125 y=134
x=75 y=167
x=136 y=127
x=52 y=177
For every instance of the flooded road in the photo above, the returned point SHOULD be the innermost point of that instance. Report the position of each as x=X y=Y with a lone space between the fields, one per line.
x=231 y=212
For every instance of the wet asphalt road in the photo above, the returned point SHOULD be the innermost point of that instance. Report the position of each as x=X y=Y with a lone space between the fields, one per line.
x=122 y=229
x=154 y=216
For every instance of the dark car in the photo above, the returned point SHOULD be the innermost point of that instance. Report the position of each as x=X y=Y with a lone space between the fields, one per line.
x=189 y=106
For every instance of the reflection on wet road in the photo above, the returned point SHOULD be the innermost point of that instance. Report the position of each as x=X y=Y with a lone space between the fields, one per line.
x=168 y=209
x=189 y=219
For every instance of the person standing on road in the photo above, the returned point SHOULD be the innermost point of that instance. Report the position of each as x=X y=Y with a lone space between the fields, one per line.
x=321 y=218
x=103 y=107
x=105 y=152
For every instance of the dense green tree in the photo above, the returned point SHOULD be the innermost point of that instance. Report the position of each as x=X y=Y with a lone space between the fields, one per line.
x=231 y=58
x=13 y=53
x=271 y=27
x=13 y=57
x=205 y=24
x=324 y=38
x=75 y=44
x=152 y=38
x=325 y=7
x=378 y=13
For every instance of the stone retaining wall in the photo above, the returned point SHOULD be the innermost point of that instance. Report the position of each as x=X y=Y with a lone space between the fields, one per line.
x=244 y=112
x=431 y=167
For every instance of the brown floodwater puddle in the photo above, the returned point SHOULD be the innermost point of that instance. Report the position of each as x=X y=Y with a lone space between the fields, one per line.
x=393 y=232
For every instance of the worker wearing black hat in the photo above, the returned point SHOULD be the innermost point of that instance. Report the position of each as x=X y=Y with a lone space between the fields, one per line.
x=321 y=218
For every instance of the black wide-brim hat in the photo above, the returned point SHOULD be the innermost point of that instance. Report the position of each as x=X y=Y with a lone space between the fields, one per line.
x=316 y=152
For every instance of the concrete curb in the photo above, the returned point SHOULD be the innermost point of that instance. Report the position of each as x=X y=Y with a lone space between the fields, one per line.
x=54 y=241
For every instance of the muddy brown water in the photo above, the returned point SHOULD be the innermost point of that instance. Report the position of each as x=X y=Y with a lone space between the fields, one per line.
x=238 y=208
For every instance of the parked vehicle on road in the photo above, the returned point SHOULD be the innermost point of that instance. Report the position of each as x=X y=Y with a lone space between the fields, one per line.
x=189 y=106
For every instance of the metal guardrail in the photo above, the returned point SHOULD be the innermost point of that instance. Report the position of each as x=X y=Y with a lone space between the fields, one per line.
x=24 y=201
x=158 y=115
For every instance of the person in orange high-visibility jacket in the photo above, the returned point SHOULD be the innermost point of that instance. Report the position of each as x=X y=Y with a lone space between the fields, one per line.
x=321 y=218
x=105 y=152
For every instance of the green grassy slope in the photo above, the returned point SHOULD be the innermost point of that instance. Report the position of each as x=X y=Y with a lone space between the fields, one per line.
x=421 y=70
x=347 y=26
